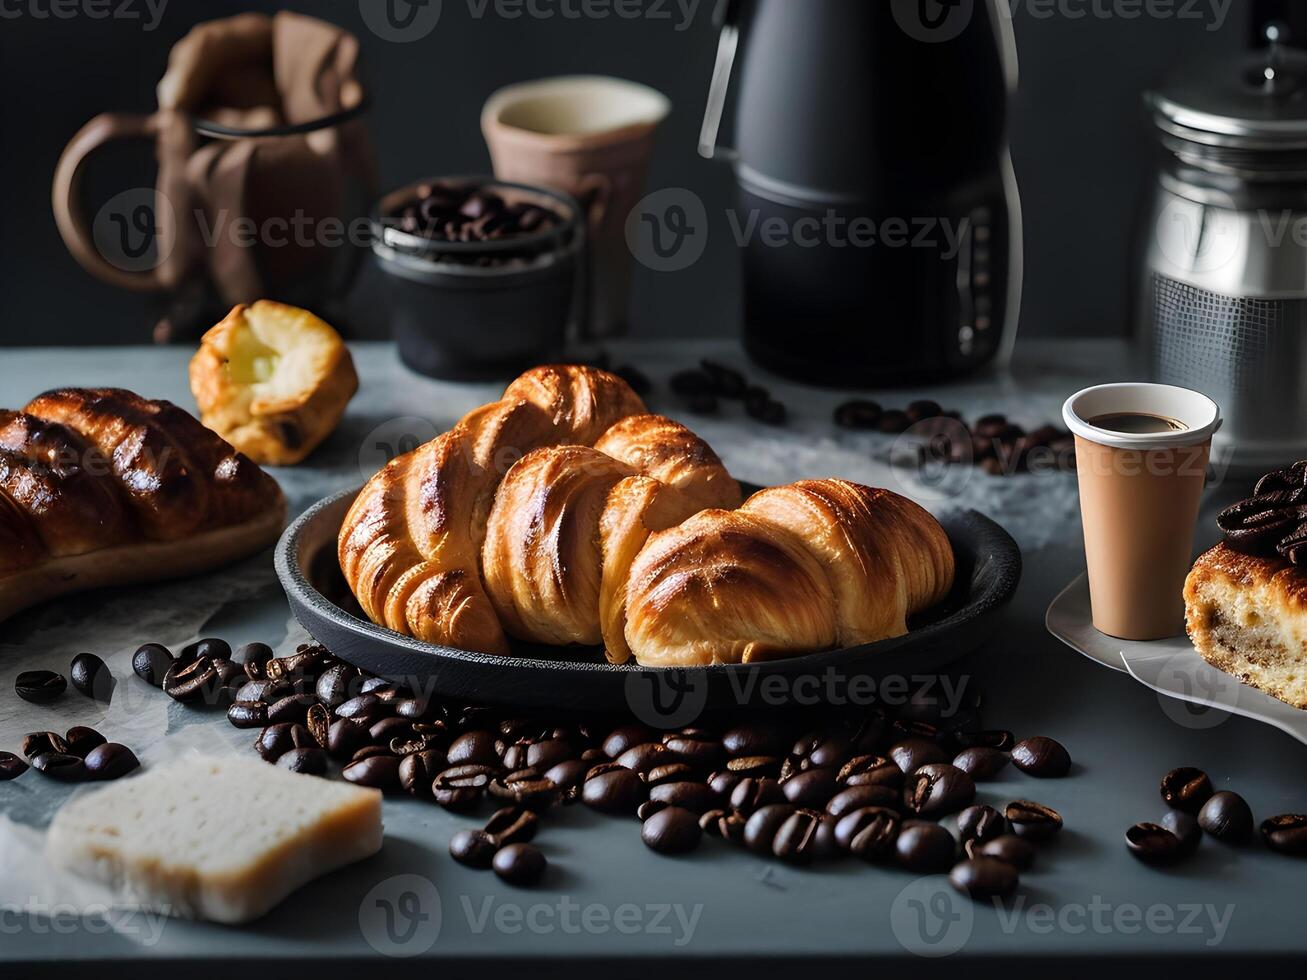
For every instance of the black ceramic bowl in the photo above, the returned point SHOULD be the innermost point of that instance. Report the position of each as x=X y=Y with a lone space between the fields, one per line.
x=480 y=310
x=579 y=678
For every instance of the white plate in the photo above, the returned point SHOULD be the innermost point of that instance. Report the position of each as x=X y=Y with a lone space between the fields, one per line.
x=1171 y=667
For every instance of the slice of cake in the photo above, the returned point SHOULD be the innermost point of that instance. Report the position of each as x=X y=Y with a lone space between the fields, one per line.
x=218 y=839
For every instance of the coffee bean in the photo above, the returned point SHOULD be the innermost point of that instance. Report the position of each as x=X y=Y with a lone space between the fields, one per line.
x=923 y=409
x=760 y=829
x=192 y=681
x=938 y=789
x=692 y=384
x=981 y=762
x=345 y=737
x=767 y=411
x=726 y=824
x=247 y=714
x=475 y=748
x=548 y=753
x=672 y=830
x=1227 y=817
x=753 y=793
x=91 y=676
x=1153 y=844
x=318 y=722
x=378 y=772
x=796 y=840
x=254 y=659
x=981 y=823
x=626 y=737
x=698 y=749
x=1041 y=757
x=913 y=753
x=309 y=761
x=59 y=765
x=642 y=758
x=755 y=739
x=333 y=686
x=997 y=739
x=418 y=770
x=371 y=751
x=39 y=686
x=82 y=739
x=365 y=709
x=813 y=751
x=520 y=864
x=474 y=848
x=526 y=788
x=461 y=787
x=150 y=663
x=1186 y=829
x=648 y=808
x=265 y=691
x=512 y=825
x=11 y=766
x=893 y=421
x=110 y=761
x=723 y=782
x=925 y=848
x=696 y=797
x=568 y=776
x=276 y=740
x=813 y=788
x=38 y=743
x=726 y=382
x=1033 y=821
x=984 y=877
x=870 y=833
x=858 y=797
x=514 y=756
x=755 y=765
x=1285 y=834
x=1016 y=851
x=1186 y=789
x=871 y=770
x=292 y=708
x=859 y=415
x=990 y=426
x=614 y=789
x=676 y=772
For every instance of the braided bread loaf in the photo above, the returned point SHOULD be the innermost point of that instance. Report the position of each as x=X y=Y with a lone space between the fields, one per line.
x=103 y=487
x=564 y=513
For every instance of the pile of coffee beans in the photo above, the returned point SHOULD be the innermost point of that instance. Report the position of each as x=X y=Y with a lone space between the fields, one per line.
x=1197 y=808
x=79 y=755
x=703 y=389
x=459 y=213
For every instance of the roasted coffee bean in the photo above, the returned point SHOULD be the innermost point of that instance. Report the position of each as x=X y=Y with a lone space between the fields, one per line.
x=474 y=848
x=461 y=787
x=1041 y=757
x=871 y=770
x=813 y=788
x=674 y=772
x=997 y=739
x=866 y=732
x=38 y=743
x=612 y=788
x=816 y=751
x=110 y=761
x=365 y=708
x=796 y=838
x=307 y=662
x=938 y=789
x=1033 y=821
x=345 y=737
x=697 y=797
x=384 y=731
x=726 y=824
x=1286 y=834
x=230 y=679
x=1153 y=844
x=859 y=415
x=755 y=738
x=520 y=864
x=265 y=691
x=724 y=782
x=923 y=409
x=569 y=775
x=59 y=765
x=626 y=737
x=512 y=825
x=11 y=766
x=39 y=686
x=754 y=793
x=981 y=762
x=858 y=797
x=1186 y=829
x=1186 y=789
x=761 y=827
x=767 y=411
x=1227 y=817
x=913 y=753
x=91 y=676
x=318 y=722
x=81 y=740
x=755 y=765
x=726 y=381
x=926 y=848
x=417 y=709
x=514 y=756
x=893 y=421
x=309 y=761
x=990 y=426
x=402 y=745
x=690 y=384
x=254 y=659
x=701 y=750
x=419 y=770
x=291 y=708
x=371 y=751
x=1016 y=851
x=192 y=681
x=378 y=772
x=905 y=728
x=548 y=753
x=648 y=808
x=247 y=714
x=333 y=686
x=981 y=823
x=870 y=833
x=150 y=663
x=984 y=877
x=476 y=748
x=276 y=740
x=526 y=788
x=672 y=830
x=650 y=755
x=208 y=647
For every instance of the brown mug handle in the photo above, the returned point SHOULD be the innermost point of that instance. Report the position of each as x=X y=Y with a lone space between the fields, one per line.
x=71 y=221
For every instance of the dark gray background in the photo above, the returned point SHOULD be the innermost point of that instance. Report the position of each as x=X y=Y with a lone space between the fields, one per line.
x=1082 y=143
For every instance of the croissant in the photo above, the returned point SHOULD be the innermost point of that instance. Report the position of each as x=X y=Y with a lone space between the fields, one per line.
x=103 y=487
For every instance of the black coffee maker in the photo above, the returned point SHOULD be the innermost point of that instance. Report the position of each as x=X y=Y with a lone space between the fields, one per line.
x=877 y=211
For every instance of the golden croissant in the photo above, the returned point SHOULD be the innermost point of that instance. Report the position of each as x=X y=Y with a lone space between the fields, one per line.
x=565 y=513
x=100 y=486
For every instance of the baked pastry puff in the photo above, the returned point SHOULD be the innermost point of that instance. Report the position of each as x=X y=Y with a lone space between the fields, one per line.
x=273 y=380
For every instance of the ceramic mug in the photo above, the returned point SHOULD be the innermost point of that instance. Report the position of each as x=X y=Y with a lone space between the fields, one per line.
x=590 y=137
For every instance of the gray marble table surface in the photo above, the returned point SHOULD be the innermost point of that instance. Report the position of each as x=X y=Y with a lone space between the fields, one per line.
x=607 y=900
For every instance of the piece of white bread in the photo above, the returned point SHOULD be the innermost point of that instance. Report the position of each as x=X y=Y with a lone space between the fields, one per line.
x=218 y=839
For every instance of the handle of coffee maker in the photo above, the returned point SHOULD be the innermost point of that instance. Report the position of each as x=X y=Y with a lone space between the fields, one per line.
x=727 y=15
x=73 y=227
